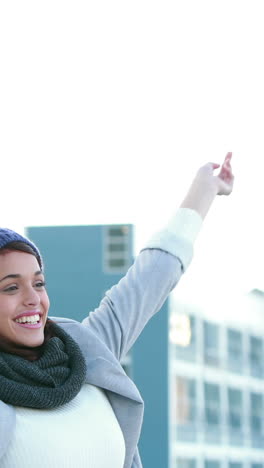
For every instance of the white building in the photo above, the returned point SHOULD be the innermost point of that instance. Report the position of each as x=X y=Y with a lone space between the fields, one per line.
x=217 y=383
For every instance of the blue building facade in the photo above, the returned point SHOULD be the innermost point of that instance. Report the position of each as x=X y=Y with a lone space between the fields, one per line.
x=81 y=264
x=150 y=372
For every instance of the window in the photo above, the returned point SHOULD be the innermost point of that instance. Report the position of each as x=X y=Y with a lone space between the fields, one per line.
x=235 y=416
x=116 y=249
x=183 y=336
x=186 y=410
x=235 y=465
x=257 y=465
x=212 y=408
x=211 y=463
x=117 y=231
x=211 y=344
x=185 y=463
x=256 y=420
x=256 y=356
x=235 y=350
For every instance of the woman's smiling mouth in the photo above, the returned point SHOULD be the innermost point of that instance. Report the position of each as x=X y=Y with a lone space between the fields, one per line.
x=29 y=320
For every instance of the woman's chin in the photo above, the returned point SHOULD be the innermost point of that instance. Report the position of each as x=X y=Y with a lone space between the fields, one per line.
x=33 y=341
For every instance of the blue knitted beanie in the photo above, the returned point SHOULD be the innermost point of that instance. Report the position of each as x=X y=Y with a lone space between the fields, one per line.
x=7 y=236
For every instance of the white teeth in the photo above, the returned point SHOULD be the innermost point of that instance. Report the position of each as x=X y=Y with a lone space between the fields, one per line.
x=29 y=319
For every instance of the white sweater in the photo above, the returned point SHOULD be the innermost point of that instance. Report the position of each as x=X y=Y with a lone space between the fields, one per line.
x=83 y=433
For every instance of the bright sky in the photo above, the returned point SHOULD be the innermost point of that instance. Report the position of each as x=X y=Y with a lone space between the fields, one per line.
x=108 y=108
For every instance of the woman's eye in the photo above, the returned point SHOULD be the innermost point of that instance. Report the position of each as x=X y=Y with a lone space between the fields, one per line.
x=11 y=288
x=40 y=284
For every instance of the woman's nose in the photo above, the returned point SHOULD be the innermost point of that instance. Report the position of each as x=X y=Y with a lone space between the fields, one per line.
x=31 y=297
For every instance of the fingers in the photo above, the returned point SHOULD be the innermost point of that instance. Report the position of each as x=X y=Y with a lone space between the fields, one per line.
x=228 y=157
x=214 y=165
x=226 y=169
x=226 y=164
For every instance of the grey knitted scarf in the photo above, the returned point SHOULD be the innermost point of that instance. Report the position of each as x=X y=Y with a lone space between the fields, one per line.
x=50 y=381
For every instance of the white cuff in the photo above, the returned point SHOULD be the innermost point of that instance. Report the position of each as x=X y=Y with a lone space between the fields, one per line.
x=179 y=235
x=185 y=223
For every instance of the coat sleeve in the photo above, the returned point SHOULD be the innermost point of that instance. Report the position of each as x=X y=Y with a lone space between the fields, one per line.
x=127 y=306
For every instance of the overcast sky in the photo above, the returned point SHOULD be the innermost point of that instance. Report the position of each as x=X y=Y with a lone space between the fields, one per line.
x=108 y=108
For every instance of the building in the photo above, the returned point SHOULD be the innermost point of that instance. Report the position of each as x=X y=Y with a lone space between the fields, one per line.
x=217 y=384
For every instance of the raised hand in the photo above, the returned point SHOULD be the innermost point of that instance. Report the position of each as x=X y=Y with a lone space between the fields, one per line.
x=206 y=185
x=224 y=181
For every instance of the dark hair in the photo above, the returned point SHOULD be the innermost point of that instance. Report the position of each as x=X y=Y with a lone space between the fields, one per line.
x=32 y=354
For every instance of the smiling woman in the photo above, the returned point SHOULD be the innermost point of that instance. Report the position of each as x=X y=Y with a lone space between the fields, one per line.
x=24 y=302
x=95 y=411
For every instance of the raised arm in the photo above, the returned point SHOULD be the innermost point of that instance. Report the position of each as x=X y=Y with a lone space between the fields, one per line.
x=128 y=306
x=187 y=221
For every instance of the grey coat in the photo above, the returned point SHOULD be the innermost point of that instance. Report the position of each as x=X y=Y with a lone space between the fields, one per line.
x=108 y=333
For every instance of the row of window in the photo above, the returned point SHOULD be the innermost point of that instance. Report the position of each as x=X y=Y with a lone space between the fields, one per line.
x=217 y=413
x=211 y=463
x=243 y=353
x=116 y=248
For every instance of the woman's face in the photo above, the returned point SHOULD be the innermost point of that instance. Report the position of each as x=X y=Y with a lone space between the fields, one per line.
x=24 y=302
